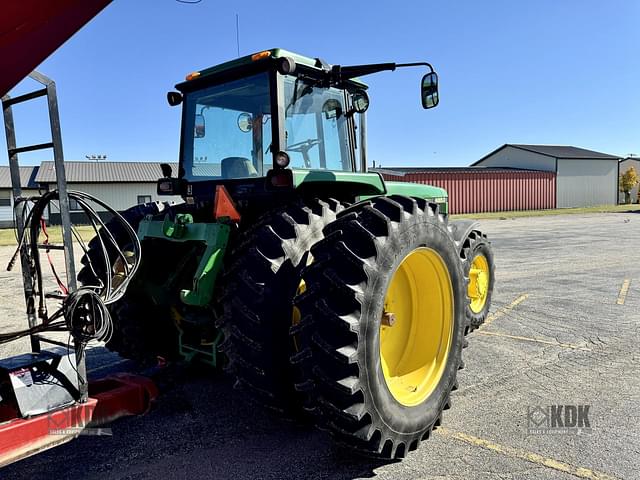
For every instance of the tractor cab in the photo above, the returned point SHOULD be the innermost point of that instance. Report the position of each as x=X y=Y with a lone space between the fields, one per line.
x=276 y=121
x=230 y=130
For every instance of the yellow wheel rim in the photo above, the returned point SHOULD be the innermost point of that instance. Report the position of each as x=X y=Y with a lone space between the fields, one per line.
x=478 y=283
x=296 y=315
x=417 y=327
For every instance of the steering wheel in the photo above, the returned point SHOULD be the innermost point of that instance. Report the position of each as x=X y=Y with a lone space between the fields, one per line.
x=303 y=146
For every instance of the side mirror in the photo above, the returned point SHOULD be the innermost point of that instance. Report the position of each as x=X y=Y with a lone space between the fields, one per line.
x=245 y=122
x=199 y=130
x=360 y=101
x=332 y=108
x=429 y=90
x=174 y=98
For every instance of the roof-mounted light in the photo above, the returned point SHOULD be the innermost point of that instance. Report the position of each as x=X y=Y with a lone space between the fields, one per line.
x=259 y=56
x=192 y=75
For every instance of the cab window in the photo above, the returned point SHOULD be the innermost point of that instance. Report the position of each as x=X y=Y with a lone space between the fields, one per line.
x=316 y=126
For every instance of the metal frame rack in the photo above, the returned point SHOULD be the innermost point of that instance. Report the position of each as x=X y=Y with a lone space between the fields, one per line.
x=48 y=90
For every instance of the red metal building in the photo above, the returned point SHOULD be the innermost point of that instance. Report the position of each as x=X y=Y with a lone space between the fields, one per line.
x=477 y=189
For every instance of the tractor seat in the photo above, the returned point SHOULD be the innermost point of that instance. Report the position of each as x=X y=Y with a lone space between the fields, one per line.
x=237 y=167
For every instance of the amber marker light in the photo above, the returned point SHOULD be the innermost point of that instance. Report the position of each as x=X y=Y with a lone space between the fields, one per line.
x=261 y=55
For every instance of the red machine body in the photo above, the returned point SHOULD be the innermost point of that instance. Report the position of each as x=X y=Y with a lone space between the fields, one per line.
x=31 y=30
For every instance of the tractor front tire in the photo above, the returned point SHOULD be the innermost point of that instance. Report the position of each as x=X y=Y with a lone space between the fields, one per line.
x=140 y=332
x=479 y=267
x=259 y=287
x=383 y=325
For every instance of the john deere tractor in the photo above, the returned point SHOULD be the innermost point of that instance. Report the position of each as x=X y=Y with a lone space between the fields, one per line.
x=323 y=289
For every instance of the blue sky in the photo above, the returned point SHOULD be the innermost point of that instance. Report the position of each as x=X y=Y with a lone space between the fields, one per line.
x=544 y=71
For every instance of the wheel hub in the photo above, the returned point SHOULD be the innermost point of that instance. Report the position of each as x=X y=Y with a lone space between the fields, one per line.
x=416 y=327
x=478 y=283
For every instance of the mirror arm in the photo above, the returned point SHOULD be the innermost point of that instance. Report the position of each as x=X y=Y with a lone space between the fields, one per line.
x=339 y=74
x=416 y=64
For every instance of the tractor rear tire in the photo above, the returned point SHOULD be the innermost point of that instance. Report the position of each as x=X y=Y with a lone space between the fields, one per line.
x=140 y=332
x=479 y=267
x=383 y=325
x=257 y=302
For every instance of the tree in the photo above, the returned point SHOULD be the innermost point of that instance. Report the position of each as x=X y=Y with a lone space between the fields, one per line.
x=628 y=180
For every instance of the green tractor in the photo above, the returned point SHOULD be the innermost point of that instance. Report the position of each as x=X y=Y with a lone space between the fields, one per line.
x=322 y=288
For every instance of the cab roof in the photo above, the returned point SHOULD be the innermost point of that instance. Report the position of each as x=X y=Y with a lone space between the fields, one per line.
x=271 y=54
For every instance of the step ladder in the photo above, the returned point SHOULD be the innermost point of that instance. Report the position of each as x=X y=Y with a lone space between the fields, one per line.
x=48 y=90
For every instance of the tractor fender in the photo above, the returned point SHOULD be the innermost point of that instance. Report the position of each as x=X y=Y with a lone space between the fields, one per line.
x=460 y=230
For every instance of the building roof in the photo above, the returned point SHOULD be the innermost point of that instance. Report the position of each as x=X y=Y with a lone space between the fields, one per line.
x=443 y=169
x=556 y=151
x=104 y=172
x=401 y=171
x=27 y=176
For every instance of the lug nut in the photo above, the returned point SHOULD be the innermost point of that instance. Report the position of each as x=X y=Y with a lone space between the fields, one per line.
x=388 y=319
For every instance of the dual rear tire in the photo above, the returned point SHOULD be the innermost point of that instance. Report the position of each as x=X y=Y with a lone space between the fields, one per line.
x=382 y=325
x=261 y=279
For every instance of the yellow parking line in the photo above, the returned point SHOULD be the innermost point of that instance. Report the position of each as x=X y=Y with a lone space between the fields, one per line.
x=623 y=291
x=107 y=365
x=504 y=310
x=537 y=340
x=531 y=457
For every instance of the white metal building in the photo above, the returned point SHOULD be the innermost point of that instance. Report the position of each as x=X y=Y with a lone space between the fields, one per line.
x=625 y=165
x=27 y=175
x=583 y=177
x=119 y=184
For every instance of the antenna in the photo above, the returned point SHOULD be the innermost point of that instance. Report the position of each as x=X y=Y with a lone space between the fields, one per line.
x=238 y=33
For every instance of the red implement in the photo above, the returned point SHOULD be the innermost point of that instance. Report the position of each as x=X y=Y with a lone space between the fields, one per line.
x=31 y=30
x=112 y=397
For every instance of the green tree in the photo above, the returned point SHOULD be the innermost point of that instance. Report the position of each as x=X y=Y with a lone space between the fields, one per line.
x=628 y=180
